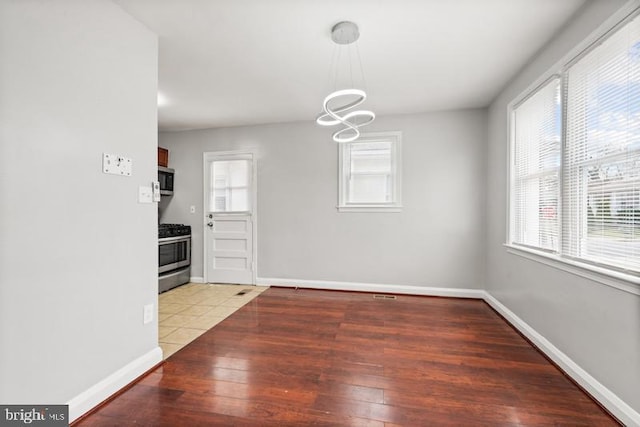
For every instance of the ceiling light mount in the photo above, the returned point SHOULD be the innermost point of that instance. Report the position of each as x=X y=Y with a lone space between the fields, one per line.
x=345 y=33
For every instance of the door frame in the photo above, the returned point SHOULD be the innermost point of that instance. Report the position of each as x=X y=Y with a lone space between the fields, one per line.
x=208 y=156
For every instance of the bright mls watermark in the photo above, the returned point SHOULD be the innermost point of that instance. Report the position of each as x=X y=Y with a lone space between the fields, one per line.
x=34 y=415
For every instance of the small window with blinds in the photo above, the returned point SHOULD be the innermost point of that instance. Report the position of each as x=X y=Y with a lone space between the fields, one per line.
x=601 y=222
x=369 y=176
x=535 y=189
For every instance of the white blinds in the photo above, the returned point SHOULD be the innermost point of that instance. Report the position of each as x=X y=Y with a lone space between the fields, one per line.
x=536 y=165
x=370 y=172
x=370 y=175
x=601 y=188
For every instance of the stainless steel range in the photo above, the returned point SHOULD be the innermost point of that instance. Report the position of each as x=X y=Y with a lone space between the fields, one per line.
x=174 y=255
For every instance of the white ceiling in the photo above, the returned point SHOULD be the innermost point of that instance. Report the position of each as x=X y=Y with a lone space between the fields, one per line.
x=239 y=62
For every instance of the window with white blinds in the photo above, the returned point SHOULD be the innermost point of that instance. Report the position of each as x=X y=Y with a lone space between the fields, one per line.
x=575 y=192
x=370 y=173
x=536 y=167
x=601 y=206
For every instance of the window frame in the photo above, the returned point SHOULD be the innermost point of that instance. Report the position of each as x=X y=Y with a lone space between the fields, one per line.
x=625 y=280
x=513 y=179
x=228 y=190
x=395 y=204
x=210 y=157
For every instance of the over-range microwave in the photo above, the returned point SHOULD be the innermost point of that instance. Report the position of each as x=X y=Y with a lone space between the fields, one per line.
x=165 y=178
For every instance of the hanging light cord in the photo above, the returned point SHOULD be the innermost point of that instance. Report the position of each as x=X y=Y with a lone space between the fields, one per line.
x=345 y=33
x=364 y=82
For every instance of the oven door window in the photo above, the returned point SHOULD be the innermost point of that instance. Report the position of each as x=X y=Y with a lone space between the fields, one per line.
x=173 y=254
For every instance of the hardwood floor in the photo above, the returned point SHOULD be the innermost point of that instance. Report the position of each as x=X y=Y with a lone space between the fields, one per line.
x=308 y=357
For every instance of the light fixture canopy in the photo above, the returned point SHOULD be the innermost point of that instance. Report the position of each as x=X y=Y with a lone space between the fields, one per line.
x=345 y=32
x=340 y=101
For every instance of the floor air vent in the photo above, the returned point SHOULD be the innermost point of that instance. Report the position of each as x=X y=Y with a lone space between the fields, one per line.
x=384 y=297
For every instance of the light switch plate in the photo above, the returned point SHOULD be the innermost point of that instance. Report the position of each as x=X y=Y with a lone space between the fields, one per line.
x=145 y=194
x=116 y=165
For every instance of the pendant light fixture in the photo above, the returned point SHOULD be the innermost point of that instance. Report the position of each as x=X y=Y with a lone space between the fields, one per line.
x=337 y=106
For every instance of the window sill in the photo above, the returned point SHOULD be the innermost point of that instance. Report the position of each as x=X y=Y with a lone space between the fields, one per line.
x=624 y=282
x=370 y=208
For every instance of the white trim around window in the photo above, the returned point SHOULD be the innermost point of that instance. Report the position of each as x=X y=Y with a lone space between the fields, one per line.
x=370 y=173
x=622 y=281
x=535 y=168
x=569 y=254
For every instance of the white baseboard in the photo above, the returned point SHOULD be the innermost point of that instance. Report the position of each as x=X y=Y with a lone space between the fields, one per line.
x=98 y=393
x=373 y=287
x=196 y=279
x=602 y=394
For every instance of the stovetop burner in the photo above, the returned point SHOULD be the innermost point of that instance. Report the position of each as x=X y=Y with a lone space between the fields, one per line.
x=173 y=230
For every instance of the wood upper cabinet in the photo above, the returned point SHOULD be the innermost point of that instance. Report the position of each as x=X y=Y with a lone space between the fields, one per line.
x=163 y=157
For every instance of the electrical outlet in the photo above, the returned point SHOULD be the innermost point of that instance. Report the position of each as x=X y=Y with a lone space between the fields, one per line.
x=147 y=314
x=192 y=209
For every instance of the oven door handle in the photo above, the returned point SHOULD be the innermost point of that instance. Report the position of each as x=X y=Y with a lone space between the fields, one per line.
x=167 y=240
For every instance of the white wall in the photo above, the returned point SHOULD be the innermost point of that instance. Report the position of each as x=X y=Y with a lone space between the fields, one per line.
x=436 y=241
x=78 y=254
x=595 y=325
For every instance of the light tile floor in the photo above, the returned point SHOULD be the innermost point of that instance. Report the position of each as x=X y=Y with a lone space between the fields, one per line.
x=188 y=311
